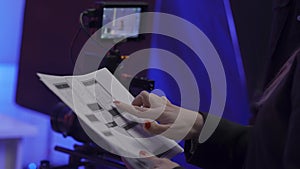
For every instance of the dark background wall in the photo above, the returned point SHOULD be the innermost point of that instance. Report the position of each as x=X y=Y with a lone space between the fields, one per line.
x=49 y=27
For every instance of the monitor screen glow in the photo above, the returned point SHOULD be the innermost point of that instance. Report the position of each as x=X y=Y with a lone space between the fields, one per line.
x=114 y=28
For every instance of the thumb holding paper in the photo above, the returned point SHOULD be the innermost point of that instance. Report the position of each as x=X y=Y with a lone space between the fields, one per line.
x=174 y=122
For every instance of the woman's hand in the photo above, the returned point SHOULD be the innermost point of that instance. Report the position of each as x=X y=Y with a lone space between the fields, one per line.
x=173 y=122
x=153 y=162
x=158 y=163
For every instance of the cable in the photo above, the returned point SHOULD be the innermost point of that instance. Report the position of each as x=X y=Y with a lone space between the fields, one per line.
x=84 y=27
x=72 y=44
x=82 y=14
x=89 y=13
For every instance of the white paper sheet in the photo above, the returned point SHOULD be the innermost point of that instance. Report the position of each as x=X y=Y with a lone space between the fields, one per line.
x=91 y=97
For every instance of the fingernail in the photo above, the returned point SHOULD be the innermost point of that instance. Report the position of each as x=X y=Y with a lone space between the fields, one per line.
x=147 y=125
x=143 y=153
x=116 y=102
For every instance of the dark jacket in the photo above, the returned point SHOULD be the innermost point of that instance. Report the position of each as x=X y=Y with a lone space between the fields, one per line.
x=272 y=143
x=285 y=35
x=274 y=140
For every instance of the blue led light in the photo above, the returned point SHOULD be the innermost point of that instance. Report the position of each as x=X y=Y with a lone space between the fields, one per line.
x=32 y=166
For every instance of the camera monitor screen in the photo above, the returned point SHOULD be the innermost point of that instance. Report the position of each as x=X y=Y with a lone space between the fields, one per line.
x=114 y=28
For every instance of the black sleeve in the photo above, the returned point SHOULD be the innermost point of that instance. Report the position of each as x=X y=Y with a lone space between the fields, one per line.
x=292 y=148
x=225 y=149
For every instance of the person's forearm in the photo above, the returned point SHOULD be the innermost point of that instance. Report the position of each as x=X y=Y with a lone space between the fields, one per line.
x=196 y=128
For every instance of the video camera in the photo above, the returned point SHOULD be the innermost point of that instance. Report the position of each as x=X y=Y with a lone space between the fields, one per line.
x=63 y=119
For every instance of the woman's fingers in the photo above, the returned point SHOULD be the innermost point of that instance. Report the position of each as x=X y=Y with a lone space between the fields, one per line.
x=157 y=163
x=129 y=108
x=142 y=100
x=141 y=112
x=145 y=154
x=155 y=128
x=166 y=130
x=149 y=100
x=152 y=159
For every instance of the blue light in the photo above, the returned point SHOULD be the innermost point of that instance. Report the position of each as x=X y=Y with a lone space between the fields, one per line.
x=32 y=166
x=158 y=92
x=11 y=17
